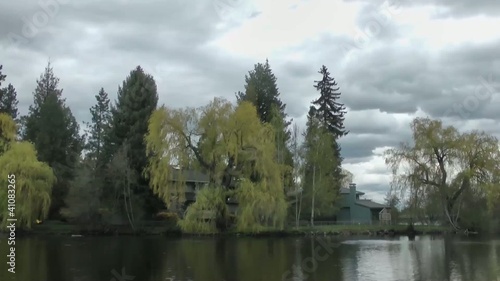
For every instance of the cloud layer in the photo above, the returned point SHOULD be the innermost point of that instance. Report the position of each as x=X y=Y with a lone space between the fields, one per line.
x=393 y=60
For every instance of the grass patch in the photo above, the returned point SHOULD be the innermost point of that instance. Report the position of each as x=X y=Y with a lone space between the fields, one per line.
x=362 y=229
x=62 y=228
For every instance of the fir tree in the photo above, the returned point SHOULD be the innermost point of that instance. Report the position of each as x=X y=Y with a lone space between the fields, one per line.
x=137 y=99
x=53 y=129
x=8 y=101
x=8 y=98
x=2 y=76
x=262 y=91
x=98 y=128
x=327 y=106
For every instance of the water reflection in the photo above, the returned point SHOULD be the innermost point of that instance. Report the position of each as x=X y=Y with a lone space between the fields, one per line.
x=426 y=258
x=251 y=259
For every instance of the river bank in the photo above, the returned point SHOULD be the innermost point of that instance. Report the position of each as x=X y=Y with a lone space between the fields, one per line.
x=60 y=228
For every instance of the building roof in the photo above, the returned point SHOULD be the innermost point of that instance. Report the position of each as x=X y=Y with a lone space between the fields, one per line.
x=344 y=190
x=370 y=204
x=190 y=176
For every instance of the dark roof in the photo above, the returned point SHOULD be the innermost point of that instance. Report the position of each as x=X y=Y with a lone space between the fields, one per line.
x=370 y=204
x=190 y=176
x=344 y=190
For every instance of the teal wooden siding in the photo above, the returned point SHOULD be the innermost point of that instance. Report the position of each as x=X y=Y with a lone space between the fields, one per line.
x=351 y=212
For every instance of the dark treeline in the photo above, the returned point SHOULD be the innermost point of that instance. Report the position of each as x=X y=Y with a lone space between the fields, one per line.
x=120 y=170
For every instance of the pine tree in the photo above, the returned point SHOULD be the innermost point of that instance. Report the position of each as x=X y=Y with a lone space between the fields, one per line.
x=98 y=128
x=330 y=112
x=47 y=85
x=262 y=91
x=8 y=101
x=327 y=107
x=53 y=129
x=2 y=76
x=137 y=99
x=8 y=98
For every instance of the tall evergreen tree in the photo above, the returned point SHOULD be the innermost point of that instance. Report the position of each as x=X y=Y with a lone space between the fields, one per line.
x=8 y=98
x=328 y=108
x=137 y=99
x=2 y=76
x=330 y=112
x=262 y=91
x=47 y=85
x=8 y=101
x=98 y=128
x=53 y=129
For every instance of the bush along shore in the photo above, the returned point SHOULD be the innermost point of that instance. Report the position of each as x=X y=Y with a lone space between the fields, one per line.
x=171 y=229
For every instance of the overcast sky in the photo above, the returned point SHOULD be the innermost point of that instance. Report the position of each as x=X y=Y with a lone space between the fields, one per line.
x=393 y=60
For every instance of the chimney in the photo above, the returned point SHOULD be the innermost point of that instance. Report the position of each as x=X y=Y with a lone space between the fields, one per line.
x=352 y=194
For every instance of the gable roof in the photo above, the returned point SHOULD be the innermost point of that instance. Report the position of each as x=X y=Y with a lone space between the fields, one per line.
x=344 y=190
x=370 y=204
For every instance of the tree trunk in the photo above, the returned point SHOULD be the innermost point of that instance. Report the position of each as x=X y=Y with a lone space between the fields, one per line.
x=128 y=207
x=447 y=211
x=300 y=206
x=296 y=210
x=313 y=195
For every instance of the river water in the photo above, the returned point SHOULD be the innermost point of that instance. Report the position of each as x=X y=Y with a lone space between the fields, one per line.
x=252 y=259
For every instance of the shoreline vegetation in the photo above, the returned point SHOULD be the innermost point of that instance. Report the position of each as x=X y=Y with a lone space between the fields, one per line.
x=228 y=167
x=66 y=229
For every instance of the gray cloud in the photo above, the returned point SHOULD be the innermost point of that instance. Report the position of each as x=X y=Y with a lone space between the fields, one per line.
x=94 y=44
x=448 y=8
x=433 y=82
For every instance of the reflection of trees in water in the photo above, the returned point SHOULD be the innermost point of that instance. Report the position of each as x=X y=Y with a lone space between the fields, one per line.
x=424 y=259
x=233 y=259
x=474 y=260
x=429 y=259
x=31 y=257
x=252 y=259
x=446 y=259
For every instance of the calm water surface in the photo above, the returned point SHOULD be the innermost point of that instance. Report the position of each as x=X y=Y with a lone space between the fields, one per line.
x=251 y=259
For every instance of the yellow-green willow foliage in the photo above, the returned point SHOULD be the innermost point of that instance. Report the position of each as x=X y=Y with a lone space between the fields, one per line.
x=7 y=132
x=209 y=138
x=198 y=219
x=444 y=163
x=32 y=179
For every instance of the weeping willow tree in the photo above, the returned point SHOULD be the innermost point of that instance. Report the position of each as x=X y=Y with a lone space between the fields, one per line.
x=23 y=175
x=447 y=164
x=203 y=215
x=237 y=152
x=8 y=131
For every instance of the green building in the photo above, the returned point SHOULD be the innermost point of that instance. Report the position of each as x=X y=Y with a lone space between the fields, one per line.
x=354 y=210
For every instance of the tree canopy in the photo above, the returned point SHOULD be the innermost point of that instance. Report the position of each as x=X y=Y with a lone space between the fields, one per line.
x=24 y=176
x=54 y=131
x=261 y=89
x=231 y=145
x=446 y=164
x=321 y=185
